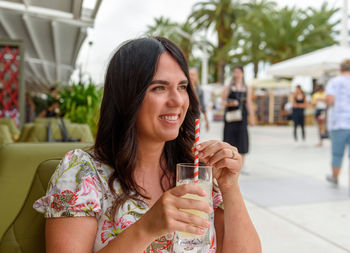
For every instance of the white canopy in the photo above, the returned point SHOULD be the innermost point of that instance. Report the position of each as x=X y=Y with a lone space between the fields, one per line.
x=314 y=64
x=269 y=83
x=53 y=32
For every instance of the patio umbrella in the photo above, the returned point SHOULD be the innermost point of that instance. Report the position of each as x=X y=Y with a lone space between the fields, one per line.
x=314 y=64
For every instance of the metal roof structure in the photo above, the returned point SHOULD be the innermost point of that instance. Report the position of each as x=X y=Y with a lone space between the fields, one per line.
x=53 y=32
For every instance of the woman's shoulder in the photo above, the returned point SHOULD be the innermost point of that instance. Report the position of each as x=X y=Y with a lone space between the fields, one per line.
x=80 y=164
x=77 y=187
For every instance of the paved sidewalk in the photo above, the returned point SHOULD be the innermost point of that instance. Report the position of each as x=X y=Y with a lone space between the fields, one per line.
x=290 y=202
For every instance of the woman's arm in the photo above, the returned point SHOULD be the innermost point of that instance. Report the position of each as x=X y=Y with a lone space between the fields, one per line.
x=239 y=234
x=66 y=234
x=78 y=234
x=235 y=230
x=249 y=104
x=295 y=104
x=305 y=104
x=224 y=97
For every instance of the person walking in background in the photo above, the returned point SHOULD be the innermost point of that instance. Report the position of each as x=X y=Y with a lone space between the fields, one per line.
x=199 y=92
x=338 y=101
x=299 y=105
x=319 y=102
x=238 y=106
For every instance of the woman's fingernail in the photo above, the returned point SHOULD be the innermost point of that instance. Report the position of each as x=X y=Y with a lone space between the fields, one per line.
x=198 y=147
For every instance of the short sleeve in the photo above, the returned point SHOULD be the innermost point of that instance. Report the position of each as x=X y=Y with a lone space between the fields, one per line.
x=313 y=99
x=75 y=188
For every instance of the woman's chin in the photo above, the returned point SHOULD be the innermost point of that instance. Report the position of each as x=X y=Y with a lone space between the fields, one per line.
x=171 y=136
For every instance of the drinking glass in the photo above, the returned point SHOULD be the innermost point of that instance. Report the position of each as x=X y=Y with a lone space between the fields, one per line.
x=187 y=242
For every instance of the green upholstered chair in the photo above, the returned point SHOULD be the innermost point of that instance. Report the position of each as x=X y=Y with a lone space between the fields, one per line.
x=37 y=131
x=27 y=231
x=5 y=135
x=52 y=120
x=80 y=131
x=23 y=179
x=25 y=132
x=12 y=127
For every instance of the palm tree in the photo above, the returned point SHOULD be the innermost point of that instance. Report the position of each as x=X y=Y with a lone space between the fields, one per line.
x=290 y=32
x=282 y=29
x=253 y=27
x=162 y=27
x=320 y=32
x=180 y=34
x=222 y=16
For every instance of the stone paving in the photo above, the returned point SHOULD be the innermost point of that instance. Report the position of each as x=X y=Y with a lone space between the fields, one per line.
x=292 y=206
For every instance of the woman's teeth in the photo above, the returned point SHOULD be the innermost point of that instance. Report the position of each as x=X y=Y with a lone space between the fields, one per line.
x=170 y=118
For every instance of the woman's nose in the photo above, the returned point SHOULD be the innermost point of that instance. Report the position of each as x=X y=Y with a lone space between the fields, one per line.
x=175 y=98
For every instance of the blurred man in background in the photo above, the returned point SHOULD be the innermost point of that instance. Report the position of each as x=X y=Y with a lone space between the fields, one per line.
x=338 y=100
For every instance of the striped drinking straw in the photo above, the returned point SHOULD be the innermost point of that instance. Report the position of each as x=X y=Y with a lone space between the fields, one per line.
x=196 y=160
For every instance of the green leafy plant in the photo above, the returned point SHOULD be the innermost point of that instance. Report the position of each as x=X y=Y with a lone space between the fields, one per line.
x=80 y=103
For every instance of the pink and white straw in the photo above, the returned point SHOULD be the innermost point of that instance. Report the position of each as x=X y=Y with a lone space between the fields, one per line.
x=196 y=159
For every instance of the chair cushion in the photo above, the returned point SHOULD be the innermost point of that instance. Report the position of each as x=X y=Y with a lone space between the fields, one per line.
x=18 y=163
x=46 y=121
x=12 y=127
x=80 y=131
x=38 y=133
x=25 y=131
x=5 y=135
x=27 y=231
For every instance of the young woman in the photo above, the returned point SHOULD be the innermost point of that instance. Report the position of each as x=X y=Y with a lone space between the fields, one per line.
x=299 y=105
x=120 y=196
x=237 y=97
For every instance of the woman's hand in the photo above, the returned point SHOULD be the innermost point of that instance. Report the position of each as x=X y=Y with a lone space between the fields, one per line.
x=251 y=120
x=233 y=103
x=166 y=217
x=225 y=159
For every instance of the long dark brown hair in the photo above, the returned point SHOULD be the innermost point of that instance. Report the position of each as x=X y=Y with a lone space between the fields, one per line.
x=128 y=76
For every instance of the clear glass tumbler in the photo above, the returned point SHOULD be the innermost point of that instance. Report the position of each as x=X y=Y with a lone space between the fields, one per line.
x=187 y=242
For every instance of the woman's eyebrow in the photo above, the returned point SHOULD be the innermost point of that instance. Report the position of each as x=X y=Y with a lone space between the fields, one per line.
x=184 y=82
x=159 y=82
x=166 y=82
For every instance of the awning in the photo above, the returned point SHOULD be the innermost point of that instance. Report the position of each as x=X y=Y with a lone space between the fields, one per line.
x=314 y=64
x=53 y=32
x=269 y=83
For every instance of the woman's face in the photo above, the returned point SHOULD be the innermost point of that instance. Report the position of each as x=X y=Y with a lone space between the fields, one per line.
x=165 y=104
x=238 y=74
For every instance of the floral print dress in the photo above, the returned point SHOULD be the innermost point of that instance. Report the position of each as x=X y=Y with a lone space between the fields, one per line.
x=79 y=187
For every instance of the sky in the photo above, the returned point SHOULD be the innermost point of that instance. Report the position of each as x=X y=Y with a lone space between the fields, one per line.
x=121 y=20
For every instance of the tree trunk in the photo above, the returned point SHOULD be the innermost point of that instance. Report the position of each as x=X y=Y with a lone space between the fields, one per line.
x=221 y=74
x=221 y=64
x=256 y=69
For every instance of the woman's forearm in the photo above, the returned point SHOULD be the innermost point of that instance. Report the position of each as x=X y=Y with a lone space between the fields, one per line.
x=136 y=234
x=239 y=232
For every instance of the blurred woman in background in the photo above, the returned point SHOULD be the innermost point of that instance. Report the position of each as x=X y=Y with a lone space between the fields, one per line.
x=299 y=105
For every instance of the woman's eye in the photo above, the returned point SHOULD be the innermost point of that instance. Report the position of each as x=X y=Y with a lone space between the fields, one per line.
x=183 y=87
x=158 y=88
